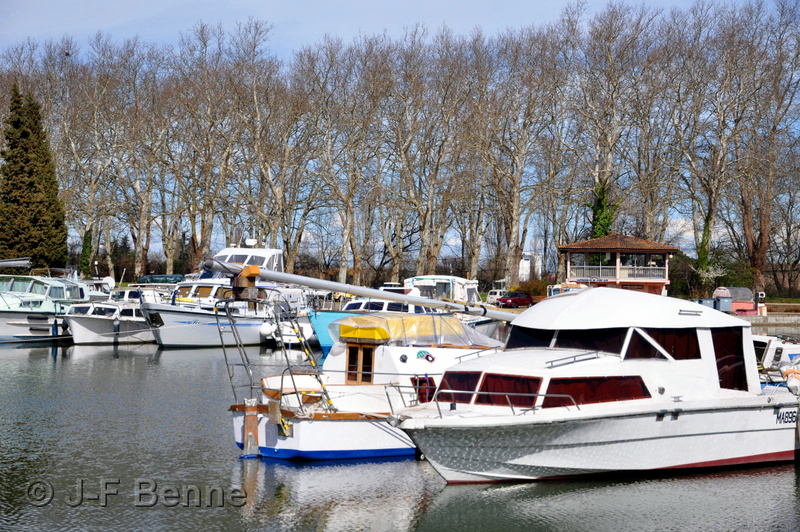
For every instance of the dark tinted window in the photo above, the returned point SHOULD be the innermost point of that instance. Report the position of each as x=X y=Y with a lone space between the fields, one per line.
x=126 y=312
x=681 y=344
x=509 y=384
x=374 y=305
x=525 y=337
x=639 y=347
x=459 y=380
x=587 y=390
x=609 y=340
x=729 y=352
x=397 y=307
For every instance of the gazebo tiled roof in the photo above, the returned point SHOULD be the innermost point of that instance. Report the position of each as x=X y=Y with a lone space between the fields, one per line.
x=618 y=242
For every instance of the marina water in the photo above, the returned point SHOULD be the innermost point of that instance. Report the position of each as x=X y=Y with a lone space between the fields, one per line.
x=150 y=427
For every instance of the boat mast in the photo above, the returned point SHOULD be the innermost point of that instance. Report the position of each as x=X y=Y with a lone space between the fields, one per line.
x=321 y=284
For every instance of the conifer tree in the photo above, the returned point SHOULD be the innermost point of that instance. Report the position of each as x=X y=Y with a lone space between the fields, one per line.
x=86 y=255
x=31 y=213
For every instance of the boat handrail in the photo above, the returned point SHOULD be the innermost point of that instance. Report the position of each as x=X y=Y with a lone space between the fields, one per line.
x=572 y=359
x=400 y=387
x=507 y=395
x=477 y=354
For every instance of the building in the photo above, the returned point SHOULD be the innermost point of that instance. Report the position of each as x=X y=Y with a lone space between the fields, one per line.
x=619 y=261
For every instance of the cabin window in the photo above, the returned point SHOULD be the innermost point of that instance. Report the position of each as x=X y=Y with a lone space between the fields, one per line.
x=38 y=287
x=681 y=344
x=459 y=380
x=134 y=294
x=126 y=312
x=239 y=259
x=183 y=291
x=359 y=364
x=18 y=285
x=203 y=291
x=759 y=347
x=608 y=340
x=525 y=337
x=258 y=261
x=356 y=305
x=508 y=384
x=425 y=388
x=418 y=310
x=472 y=295
x=586 y=390
x=56 y=292
x=397 y=307
x=729 y=352
x=137 y=313
x=79 y=310
x=103 y=311
x=374 y=305
x=639 y=347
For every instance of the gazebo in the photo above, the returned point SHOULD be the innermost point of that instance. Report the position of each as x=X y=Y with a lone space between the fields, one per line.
x=619 y=261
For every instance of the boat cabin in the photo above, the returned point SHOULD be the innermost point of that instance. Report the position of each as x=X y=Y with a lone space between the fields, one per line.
x=378 y=305
x=619 y=261
x=446 y=287
x=43 y=288
x=378 y=348
x=271 y=259
x=604 y=345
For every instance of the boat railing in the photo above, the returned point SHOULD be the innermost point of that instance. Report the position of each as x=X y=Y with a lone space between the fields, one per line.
x=477 y=354
x=507 y=395
x=572 y=359
x=412 y=391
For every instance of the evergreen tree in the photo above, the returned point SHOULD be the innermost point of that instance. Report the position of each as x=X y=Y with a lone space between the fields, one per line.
x=86 y=255
x=31 y=213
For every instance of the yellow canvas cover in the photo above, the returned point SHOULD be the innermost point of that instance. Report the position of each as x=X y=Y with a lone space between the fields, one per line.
x=405 y=329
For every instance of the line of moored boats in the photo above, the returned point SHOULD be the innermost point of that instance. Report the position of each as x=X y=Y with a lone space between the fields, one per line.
x=594 y=380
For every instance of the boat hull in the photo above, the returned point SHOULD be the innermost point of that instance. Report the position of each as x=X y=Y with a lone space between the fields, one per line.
x=102 y=330
x=26 y=325
x=328 y=439
x=656 y=440
x=175 y=326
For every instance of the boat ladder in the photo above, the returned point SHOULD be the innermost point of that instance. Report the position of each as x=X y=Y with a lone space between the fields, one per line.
x=245 y=386
x=291 y=320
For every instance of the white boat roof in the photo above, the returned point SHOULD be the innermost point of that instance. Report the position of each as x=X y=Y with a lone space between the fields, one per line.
x=604 y=308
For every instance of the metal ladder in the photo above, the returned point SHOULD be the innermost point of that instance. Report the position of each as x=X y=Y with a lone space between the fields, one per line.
x=315 y=370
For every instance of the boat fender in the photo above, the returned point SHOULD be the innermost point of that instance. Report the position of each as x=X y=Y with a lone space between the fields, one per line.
x=792 y=376
x=267 y=329
x=403 y=359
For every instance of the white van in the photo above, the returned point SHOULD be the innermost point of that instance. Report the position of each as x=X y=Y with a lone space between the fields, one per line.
x=493 y=295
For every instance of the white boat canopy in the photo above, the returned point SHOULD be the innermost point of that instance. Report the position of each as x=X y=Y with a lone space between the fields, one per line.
x=605 y=308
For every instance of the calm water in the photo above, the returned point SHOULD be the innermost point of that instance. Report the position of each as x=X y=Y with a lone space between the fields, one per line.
x=160 y=416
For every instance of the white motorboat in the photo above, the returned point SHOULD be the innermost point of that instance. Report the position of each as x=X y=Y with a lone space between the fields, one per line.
x=32 y=306
x=342 y=411
x=108 y=322
x=194 y=315
x=604 y=380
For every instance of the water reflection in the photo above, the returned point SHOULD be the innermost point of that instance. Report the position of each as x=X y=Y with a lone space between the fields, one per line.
x=381 y=495
x=129 y=412
x=742 y=499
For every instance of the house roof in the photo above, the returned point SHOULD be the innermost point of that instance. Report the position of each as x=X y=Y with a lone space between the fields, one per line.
x=617 y=242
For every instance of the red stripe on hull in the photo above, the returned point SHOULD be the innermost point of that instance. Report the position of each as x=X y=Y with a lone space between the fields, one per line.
x=781 y=456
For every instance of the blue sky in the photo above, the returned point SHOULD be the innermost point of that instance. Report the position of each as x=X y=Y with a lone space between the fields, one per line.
x=295 y=23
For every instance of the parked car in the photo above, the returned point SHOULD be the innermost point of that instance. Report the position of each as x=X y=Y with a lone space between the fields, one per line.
x=491 y=297
x=515 y=299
